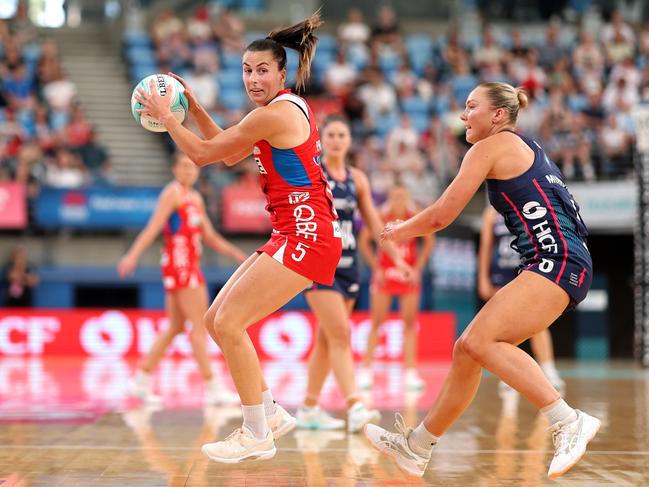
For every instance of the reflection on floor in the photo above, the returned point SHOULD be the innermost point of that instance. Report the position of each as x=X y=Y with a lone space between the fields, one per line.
x=69 y=422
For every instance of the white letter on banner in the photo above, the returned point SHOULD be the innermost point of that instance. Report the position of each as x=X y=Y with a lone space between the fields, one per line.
x=288 y=337
x=146 y=333
x=116 y=326
x=7 y=325
x=41 y=330
x=105 y=379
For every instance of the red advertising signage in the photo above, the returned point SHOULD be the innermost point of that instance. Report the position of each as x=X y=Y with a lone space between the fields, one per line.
x=119 y=333
x=13 y=205
x=244 y=210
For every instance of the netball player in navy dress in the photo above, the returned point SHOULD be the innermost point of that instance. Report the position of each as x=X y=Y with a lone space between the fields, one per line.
x=556 y=271
x=497 y=266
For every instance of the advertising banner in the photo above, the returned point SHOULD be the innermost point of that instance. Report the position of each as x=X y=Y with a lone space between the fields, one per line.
x=607 y=205
x=130 y=333
x=244 y=210
x=13 y=205
x=95 y=208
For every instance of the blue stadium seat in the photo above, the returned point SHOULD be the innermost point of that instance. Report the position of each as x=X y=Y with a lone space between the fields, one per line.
x=292 y=61
x=140 y=71
x=322 y=60
x=415 y=105
x=137 y=39
x=389 y=64
x=358 y=57
x=230 y=80
x=419 y=60
x=383 y=124
x=231 y=61
x=58 y=119
x=254 y=35
x=252 y=5
x=419 y=43
x=138 y=54
x=326 y=43
x=420 y=121
x=233 y=99
x=462 y=86
x=31 y=53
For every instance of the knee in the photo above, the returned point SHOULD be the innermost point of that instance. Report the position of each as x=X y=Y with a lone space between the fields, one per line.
x=339 y=337
x=175 y=330
x=472 y=347
x=208 y=319
x=409 y=324
x=225 y=329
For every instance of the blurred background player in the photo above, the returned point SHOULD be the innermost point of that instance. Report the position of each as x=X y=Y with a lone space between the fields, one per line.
x=20 y=279
x=332 y=305
x=497 y=264
x=388 y=282
x=180 y=215
x=305 y=245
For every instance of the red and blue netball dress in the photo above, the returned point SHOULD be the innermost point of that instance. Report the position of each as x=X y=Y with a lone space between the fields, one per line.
x=306 y=237
x=550 y=235
x=394 y=283
x=181 y=254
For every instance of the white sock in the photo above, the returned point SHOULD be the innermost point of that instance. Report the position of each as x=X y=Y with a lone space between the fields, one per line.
x=559 y=411
x=142 y=377
x=421 y=441
x=549 y=368
x=270 y=406
x=255 y=420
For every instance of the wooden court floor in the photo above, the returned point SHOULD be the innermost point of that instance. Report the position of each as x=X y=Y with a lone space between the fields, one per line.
x=68 y=422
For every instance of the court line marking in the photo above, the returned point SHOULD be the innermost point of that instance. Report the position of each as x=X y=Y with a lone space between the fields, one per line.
x=299 y=450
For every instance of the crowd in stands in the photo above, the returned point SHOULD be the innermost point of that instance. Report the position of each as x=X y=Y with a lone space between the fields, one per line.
x=45 y=138
x=403 y=91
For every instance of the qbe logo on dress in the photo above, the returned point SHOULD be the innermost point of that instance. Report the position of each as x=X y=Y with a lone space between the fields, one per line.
x=256 y=152
x=298 y=197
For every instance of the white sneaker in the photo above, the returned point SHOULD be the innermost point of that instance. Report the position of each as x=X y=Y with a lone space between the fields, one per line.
x=281 y=422
x=570 y=440
x=239 y=446
x=140 y=387
x=365 y=378
x=216 y=393
x=413 y=381
x=358 y=416
x=395 y=445
x=316 y=419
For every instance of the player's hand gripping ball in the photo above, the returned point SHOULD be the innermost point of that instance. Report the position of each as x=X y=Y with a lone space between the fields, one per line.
x=166 y=86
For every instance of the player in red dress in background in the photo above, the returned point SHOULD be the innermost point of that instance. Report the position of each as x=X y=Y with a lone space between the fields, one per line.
x=180 y=215
x=388 y=281
x=305 y=245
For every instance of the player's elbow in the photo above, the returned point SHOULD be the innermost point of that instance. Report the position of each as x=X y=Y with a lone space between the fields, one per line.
x=202 y=155
x=440 y=221
x=202 y=159
x=230 y=161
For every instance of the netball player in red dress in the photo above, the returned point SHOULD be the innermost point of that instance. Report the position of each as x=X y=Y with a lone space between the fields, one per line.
x=305 y=245
x=389 y=281
x=180 y=215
